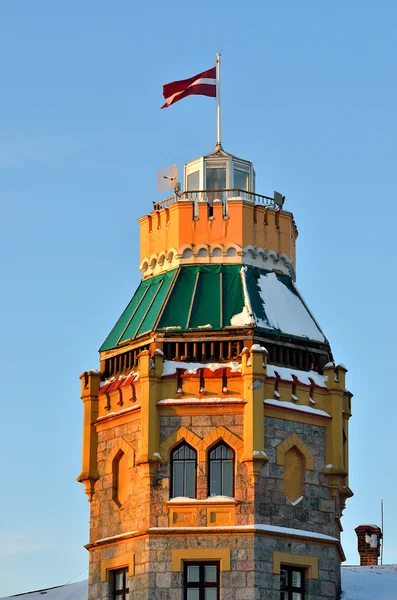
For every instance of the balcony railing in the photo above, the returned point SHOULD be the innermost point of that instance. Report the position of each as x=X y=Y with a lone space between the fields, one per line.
x=209 y=196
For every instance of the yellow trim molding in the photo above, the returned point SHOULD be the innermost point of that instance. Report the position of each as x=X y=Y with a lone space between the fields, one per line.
x=221 y=554
x=182 y=434
x=121 y=444
x=295 y=560
x=289 y=442
x=221 y=433
x=109 y=564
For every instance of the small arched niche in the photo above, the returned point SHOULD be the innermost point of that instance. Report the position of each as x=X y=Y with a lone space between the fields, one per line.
x=294 y=465
x=120 y=477
x=187 y=253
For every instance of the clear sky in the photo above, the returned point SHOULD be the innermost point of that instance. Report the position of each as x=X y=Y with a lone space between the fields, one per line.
x=309 y=95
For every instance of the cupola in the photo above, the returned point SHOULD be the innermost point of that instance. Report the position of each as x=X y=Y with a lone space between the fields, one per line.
x=217 y=171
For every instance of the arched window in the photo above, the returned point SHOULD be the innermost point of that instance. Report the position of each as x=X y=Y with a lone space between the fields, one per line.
x=221 y=469
x=183 y=471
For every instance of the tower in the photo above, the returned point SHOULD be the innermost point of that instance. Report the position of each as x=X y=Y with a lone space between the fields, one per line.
x=215 y=440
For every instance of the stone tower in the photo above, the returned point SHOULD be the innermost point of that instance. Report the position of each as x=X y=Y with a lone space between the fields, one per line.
x=215 y=443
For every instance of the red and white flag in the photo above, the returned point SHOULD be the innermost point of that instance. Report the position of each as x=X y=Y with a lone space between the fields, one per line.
x=203 y=84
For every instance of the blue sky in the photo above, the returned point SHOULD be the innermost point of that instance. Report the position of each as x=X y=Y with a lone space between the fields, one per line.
x=309 y=95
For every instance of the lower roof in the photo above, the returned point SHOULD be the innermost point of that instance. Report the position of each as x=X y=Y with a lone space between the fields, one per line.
x=215 y=297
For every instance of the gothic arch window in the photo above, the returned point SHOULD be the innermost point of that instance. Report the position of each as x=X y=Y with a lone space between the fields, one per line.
x=183 y=471
x=221 y=470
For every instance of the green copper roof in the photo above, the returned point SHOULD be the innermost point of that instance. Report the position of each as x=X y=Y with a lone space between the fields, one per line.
x=214 y=297
x=141 y=313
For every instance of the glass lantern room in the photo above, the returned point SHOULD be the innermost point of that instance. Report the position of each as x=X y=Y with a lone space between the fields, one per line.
x=219 y=171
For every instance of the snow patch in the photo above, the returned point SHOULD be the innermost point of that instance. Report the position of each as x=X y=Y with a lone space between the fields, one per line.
x=295 y=501
x=300 y=408
x=214 y=499
x=259 y=527
x=208 y=326
x=120 y=412
x=209 y=400
x=170 y=367
x=246 y=317
x=242 y=319
x=372 y=540
x=284 y=310
x=305 y=377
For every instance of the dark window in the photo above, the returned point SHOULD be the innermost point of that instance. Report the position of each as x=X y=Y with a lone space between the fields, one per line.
x=120 y=584
x=201 y=581
x=183 y=471
x=221 y=467
x=292 y=583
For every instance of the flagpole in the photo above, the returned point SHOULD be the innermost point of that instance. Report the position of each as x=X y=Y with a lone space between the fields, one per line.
x=218 y=96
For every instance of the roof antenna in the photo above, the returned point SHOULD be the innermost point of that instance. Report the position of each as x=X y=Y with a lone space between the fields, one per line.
x=167 y=179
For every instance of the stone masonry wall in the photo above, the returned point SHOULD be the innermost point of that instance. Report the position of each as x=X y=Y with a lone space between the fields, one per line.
x=250 y=578
x=107 y=518
x=317 y=511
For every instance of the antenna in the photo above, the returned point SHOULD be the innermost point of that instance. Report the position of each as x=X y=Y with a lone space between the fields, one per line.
x=167 y=179
x=279 y=199
x=383 y=538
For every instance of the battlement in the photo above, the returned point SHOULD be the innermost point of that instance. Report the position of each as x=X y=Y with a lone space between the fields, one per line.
x=199 y=228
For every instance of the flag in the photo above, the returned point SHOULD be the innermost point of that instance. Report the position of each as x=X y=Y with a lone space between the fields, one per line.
x=203 y=84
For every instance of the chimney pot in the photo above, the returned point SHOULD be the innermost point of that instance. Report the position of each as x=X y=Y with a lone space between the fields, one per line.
x=368 y=542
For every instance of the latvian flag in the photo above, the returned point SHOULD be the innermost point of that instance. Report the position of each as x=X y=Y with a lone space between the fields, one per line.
x=203 y=84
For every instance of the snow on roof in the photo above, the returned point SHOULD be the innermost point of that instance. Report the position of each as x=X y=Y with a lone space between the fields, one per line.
x=369 y=583
x=120 y=412
x=215 y=499
x=170 y=367
x=71 y=591
x=297 y=407
x=258 y=527
x=285 y=310
x=287 y=374
x=204 y=400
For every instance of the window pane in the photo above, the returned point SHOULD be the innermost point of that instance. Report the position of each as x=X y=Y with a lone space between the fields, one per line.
x=193 y=594
x=284 y=596
x=296 y=596
x=216 y=179
x=227 y=476
x=240 y=180
x=193 y=573
x=118 y=580
x=296 y=579
x=193 y=181
x=215 y=481
x=177 y=480
x=283 y=579
x=210 y=573
x=211 y=594
x=190 y=490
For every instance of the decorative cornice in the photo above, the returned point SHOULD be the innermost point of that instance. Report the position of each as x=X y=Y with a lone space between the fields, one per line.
x=190 y=254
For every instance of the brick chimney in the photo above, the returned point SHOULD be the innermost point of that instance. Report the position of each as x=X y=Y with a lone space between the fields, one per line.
x=368 y=539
